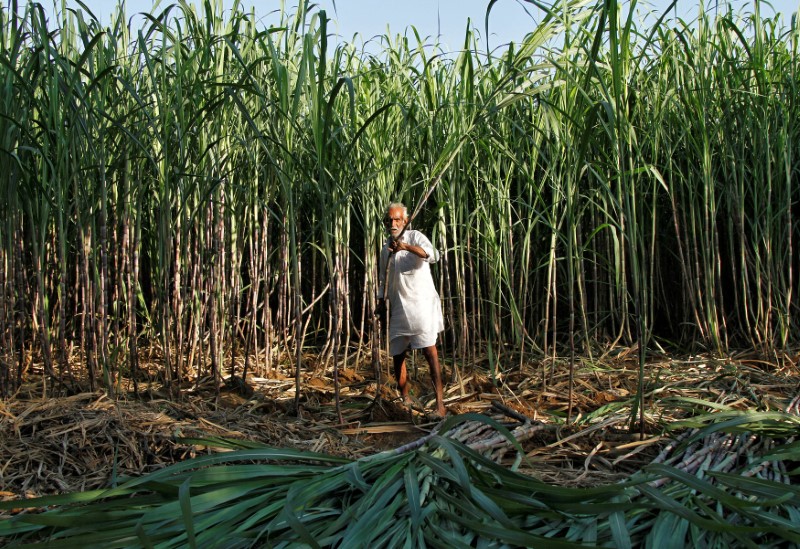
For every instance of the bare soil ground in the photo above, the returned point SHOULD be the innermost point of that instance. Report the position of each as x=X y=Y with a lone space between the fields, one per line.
x=55 y=440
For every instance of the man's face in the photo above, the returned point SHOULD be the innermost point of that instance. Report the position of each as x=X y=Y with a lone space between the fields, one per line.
x=395 y=221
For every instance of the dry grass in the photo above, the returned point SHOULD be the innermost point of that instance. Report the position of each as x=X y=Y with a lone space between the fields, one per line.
x=87 y=440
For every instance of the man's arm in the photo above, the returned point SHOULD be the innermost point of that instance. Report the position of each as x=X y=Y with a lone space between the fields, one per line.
x=418 y=244
x=402 y=246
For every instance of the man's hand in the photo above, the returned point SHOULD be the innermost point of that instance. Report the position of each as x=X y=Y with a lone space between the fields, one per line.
x=396 y=246
x=380 y=311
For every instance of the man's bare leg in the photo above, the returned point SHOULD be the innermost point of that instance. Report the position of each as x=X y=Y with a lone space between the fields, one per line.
x=432 y=356
x=401 y=375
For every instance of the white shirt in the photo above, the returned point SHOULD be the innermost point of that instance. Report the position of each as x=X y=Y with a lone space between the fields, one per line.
x=413 y=300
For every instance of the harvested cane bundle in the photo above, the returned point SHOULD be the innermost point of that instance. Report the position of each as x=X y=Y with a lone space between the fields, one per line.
x=440 y=490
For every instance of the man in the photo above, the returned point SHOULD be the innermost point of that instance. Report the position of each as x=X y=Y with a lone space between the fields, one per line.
x=416 y=313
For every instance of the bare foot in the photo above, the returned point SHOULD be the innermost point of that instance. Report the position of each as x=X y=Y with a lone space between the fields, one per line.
x=435 y=416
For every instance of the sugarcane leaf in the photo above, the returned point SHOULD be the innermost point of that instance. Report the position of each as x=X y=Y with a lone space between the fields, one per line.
x=142 y=537
x=668 y=531
x=509 y=535
x=757 y=486
x=56 y=500
x=291 y=509
x=514 y=501
x=269 y=474
x=761 y=519
x=784 y=452
x=412 y=483
x=376 y=517
x=767 y=423
x=668 y=504
x=793 y=512
x=692 y=402
x=619 y=531
x=590 y=531
x=444 y=538
x=700 y=485
x=221 y=442
x=356 y=478
x=438 y=467
x=14 y=527
x=400 y=530
x=456 y=461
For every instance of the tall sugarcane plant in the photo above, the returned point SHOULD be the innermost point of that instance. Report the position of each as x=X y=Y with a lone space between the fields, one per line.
x=203 y=189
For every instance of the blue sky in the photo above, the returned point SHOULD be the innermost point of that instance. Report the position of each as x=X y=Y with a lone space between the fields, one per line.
x=447 y=19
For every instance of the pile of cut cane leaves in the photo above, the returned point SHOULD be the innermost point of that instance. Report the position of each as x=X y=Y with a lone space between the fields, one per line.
x=725 y=479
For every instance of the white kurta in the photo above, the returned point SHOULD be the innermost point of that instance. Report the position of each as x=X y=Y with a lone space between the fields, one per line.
x=413 y=301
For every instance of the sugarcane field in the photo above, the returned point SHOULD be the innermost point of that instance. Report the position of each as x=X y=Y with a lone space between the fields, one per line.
x=262 y=285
